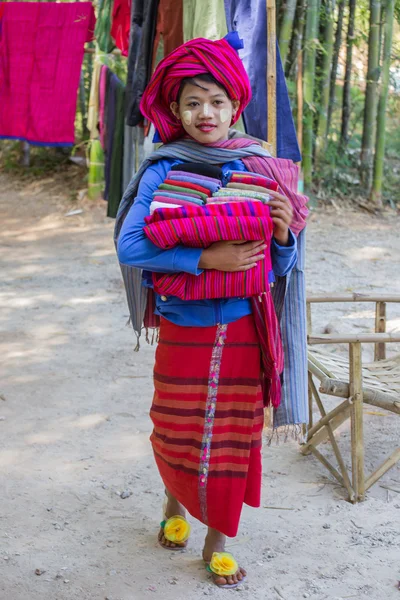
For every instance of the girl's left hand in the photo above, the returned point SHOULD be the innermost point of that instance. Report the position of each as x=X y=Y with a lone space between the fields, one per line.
x=282 y=216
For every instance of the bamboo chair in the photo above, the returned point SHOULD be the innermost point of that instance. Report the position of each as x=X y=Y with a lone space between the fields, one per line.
x=377 y=383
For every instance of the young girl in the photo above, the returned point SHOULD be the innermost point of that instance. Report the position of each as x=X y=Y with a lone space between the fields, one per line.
x=208 y=405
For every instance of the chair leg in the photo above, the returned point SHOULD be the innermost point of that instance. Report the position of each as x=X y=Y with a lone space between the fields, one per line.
x=357 y=437
x=345 y=477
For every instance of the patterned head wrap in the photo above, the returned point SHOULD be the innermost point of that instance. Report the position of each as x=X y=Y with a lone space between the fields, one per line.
x=196 y=57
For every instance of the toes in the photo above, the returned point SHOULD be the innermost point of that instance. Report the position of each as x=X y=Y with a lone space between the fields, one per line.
x=231 y=579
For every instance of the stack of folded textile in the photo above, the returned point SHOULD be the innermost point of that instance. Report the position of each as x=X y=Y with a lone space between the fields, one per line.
x=185 y=185
x=245 y=186
x=199 y=226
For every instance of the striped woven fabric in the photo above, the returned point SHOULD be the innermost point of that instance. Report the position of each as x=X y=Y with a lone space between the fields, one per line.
x=246 y=187
x=238 y=193
x=183 y=190
x=189 y=185
x=156 y=205
x=199 y=227
x=207 y=413
x=253 y=179
x=187 y=176
x=179 y=200
x=190 y=199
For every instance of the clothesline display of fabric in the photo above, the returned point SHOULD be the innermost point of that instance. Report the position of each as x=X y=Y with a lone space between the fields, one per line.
x=249 y=18
x=212 y=20
x=38 y=86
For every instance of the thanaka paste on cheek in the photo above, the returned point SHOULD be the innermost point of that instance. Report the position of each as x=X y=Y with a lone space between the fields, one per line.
x=187 y=117
x=224 y=115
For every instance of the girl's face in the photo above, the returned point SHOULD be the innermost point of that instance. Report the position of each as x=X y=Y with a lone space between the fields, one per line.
x=205 y=112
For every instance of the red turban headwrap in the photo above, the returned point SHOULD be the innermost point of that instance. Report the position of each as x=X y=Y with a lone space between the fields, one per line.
x=193 y=58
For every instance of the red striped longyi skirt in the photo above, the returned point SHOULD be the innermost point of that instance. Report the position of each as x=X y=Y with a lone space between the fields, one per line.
x=208 y=419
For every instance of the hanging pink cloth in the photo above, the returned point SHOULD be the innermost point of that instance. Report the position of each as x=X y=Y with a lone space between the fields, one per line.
x=41 y=53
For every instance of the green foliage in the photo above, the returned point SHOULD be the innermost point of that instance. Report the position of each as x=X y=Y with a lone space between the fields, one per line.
x=44 y=161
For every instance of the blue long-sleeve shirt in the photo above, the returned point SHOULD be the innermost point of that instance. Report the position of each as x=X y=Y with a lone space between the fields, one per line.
x=135 y=249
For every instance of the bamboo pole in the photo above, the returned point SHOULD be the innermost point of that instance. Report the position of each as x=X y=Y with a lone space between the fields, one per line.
x=332 y=438
x=380 y=327
x=322 y=132
x=355 y=297
x=376 y=194
x=335 y=61
x=388 y=464
x=338 y=411
x=308 y=87
x=357 y=435
x=285 y=32
x=271 y=110
x=371 y=96
x=271 y=74
x=346 y=101
x=351 y=338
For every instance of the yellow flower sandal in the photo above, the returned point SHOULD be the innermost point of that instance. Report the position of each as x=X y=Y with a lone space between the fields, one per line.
x=223 y=564
x=176 y=530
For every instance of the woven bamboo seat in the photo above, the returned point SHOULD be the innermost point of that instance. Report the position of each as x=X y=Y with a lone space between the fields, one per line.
x=376 y=383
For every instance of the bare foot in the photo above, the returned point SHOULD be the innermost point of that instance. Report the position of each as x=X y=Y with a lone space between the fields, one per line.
x=173 y=509
x=215 y=542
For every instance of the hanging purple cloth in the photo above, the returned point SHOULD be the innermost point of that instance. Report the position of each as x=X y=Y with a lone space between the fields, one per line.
x=249 y=18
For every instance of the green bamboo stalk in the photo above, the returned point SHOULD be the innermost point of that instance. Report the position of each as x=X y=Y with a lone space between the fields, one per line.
x=286 y=28
x=371 y=96
x=335 y=60
x=308 y=86
x=376 y=194
x=346 y=103
x=325 y=77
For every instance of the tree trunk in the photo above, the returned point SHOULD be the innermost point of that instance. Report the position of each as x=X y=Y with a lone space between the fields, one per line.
x=376 y=194
x=325 y=76
x=308 y=86
x=286 y=28
x=335 y=61
x=296 y=42
x=371 y=96
x=346 y=104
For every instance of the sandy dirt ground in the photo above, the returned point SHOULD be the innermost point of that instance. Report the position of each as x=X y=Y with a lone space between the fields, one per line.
x=74 y=428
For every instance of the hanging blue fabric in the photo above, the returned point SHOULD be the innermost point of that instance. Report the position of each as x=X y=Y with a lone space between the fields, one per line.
x=249 y=18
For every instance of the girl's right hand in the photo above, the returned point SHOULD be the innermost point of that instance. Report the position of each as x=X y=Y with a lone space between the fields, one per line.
x=232 y=256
